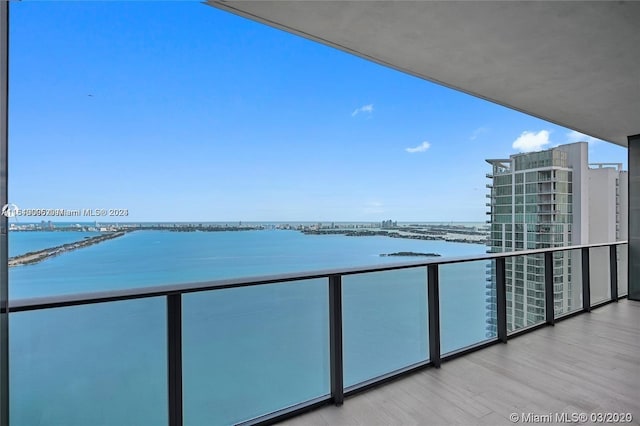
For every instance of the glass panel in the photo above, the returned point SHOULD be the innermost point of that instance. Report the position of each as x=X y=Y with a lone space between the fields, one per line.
x=567 y=277
x=254 y=350
x=384 y=322
x=102 y=364
x=525 y=291
x=623 y=270
x=467 y=304
x=599 y=274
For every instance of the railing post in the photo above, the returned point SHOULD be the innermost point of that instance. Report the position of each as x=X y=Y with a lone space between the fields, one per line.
x=335 y=338
x=174 y=358
x=613 y=270
x=433 y=301
x=549 y=305
x=501 y=299
x=586 y=281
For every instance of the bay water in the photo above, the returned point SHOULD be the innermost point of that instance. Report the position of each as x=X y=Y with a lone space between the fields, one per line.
x=246 y=351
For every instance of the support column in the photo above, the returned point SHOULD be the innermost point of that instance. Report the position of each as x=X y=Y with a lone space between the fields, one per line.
x=335 y=340
x=433 y=302
x=633 y=259
x=4 y=243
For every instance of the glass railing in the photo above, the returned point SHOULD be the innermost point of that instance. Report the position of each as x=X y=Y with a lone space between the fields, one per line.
x=259 y=349
x=599 y=273
x=525 y=291
x=464 y=310
x=101 y=364
x=622 y=252
x=384 y=316
x=253 y=350
x=568 y=282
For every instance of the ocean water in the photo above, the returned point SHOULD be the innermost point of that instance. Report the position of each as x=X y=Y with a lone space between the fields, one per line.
x=246 y=351
x=150 y=258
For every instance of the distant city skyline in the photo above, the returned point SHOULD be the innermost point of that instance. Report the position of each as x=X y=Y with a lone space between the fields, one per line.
x=176 y=111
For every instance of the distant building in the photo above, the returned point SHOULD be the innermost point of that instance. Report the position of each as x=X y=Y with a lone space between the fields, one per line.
x=385 y=224
x=544 y=199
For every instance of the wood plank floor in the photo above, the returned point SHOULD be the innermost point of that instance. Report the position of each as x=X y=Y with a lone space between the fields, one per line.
x=586 y=364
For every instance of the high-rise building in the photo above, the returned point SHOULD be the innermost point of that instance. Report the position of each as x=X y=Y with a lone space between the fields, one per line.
x=545 y=199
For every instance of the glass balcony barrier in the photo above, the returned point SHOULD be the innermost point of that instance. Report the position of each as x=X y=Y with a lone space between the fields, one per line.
x=467 y=308
x=525 y=292
x=622 y=253
x=384 y=322
x=101 y=364
x=599 y=274
x=258 y=349
x=249 y=351
x=567 y=282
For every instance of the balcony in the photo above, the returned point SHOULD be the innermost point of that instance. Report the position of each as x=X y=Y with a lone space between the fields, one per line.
x=205 y=374
x=587 y=362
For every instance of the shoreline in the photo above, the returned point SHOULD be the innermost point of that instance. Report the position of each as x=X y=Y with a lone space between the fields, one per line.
x=432 y=233
x=420 y=235
x=40 y=255
x=427 y=232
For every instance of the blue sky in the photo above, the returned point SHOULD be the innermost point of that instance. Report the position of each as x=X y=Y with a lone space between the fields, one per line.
x=177 y=111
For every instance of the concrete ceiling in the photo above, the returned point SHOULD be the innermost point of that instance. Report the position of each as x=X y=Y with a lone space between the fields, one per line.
x=576 y=64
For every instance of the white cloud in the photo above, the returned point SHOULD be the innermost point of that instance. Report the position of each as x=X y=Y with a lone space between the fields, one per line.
x=574 y=136
x=420 y=148
x=531 y=141
x=363 y=109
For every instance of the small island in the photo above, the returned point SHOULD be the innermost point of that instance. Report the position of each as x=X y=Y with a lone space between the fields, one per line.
x=410 y=253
